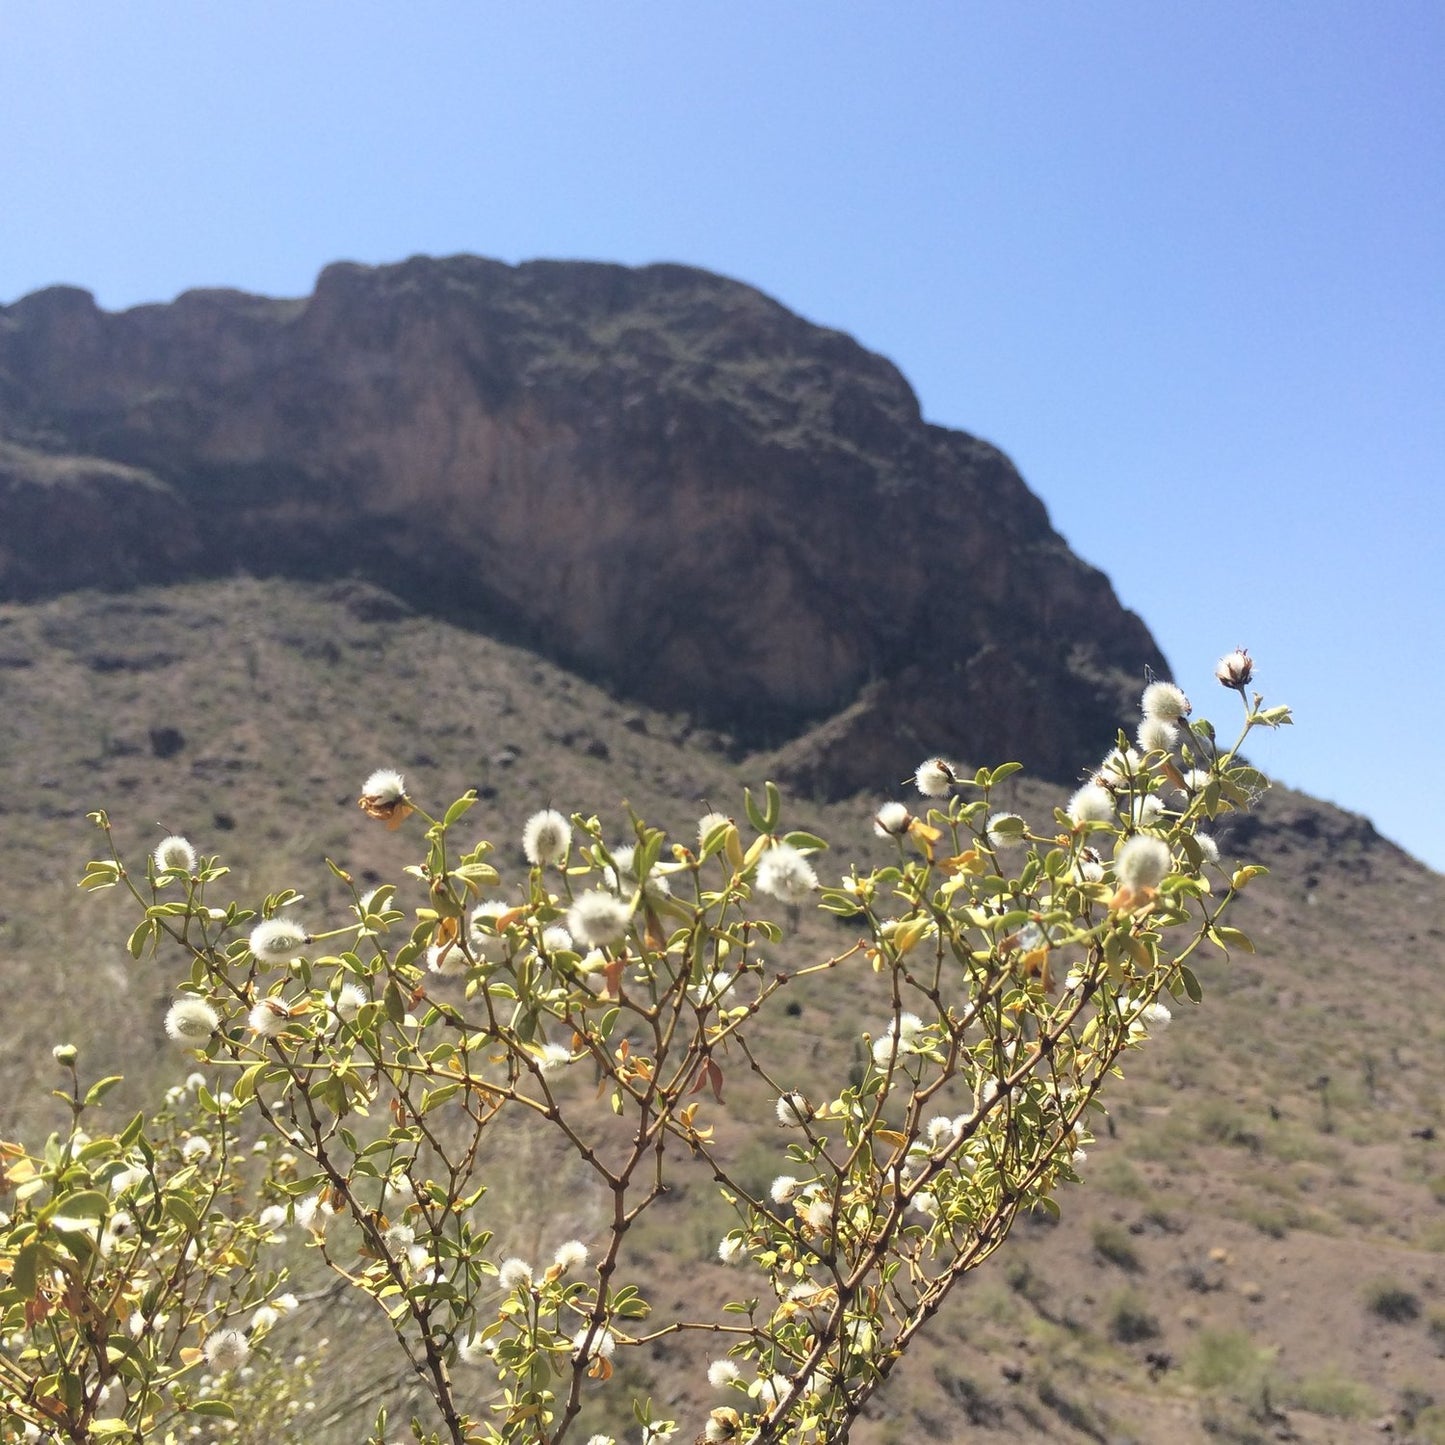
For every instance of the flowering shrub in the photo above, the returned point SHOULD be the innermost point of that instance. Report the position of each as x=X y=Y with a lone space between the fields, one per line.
x=354 y=1082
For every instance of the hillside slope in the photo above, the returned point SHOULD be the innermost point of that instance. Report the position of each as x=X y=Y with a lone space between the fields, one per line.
x=1275 y=1159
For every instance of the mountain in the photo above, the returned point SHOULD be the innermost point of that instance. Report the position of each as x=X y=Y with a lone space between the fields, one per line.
x=659 y=478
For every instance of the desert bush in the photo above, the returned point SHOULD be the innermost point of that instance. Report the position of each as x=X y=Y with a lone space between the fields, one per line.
x=383 y=1083
x=1391 y=1301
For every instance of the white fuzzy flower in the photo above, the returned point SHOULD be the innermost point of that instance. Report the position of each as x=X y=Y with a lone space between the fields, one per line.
x=556 y=939
x=598 y=918
x=552 y=1057
x=901 y=1032
x=721 y=1373
x=572 y=1255
x=1118 y=771
x=1155 y=1017
x=546 y=838
x=793 y=1110
x=1092 y=803
x=785 y=873
x=730 y=1249
x=940 y=1131
x=1235 y=669
x=191 y=1020
x=514 y=1272
x=474 y=1351
x=1157 y=735
x=1165 y=701
x=817 y=1212
x=175 y=852
x=783 y=1188
x=226 y=1350
x=935 y=777
x=278 y=940
x=268 y=1018
x=1146 y=810
x=196 y=1146
x=348 y=1002
x=602 y=1344
x=624 y=877
x=1142 y=862
x=385 y=785
x=1208 y=847
x=486 y=942
x=708 y=824
x=892 y=820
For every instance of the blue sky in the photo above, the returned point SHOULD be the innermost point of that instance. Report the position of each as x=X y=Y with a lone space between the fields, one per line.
x=1184 y=263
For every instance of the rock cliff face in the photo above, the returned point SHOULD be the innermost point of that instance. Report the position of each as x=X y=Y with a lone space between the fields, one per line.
x=657 y=476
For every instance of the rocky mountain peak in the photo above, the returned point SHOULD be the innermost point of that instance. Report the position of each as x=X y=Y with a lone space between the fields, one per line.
x=657 y=476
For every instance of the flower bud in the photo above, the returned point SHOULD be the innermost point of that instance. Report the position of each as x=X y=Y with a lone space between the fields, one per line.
x=1235 y=669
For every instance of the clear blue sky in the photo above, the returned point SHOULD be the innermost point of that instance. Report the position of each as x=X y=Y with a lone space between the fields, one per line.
x=1185 y=263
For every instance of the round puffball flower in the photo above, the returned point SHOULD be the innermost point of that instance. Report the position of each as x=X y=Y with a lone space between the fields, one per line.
x=1142 y=862
x=602 y=1345
x=1235 y=669
x=384 y=786
x=65 y=1055
x=226 y=1350
x=196 y=1146
x=624 y=877
x=175 y=853
x=730 y=1249
x=783 y=1188
x=191 y=1021
x=598 y=918
x=1165 y=701
x=556 y=939
x=278 y=940
x=722 y=1373
x=348 y=1002
x=708 y=824
x=513 y=1272
x=785 y=873
x=572 y=1255
x=1091 y=804
x=793 y=1110
x=935 y=777
x=1208 y=848
x=1005 y=830
x=553 y=1057
x=1155 y=1017
x=1147 y=810
x=268 y=1018
x=892 y=820
x=1156 y=735
x=486 y=942
x=546 y=838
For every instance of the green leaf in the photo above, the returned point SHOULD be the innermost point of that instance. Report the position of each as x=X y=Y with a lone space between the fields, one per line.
x=800 y=839
x=101 y=1088
x=144 y=930
x=26 y=1271
x=1228 y=938
x=755 y=814
x=212 y=1409
x=393 y=1002
x=460 y=808
x=1191 y=984
x=1004 y=770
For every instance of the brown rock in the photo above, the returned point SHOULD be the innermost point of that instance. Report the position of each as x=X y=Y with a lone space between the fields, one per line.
x=658 y=476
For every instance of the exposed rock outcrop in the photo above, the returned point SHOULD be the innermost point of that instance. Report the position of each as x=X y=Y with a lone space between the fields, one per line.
x=658 y=476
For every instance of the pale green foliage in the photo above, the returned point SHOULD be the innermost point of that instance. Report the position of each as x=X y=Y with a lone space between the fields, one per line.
x=362 y=1091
